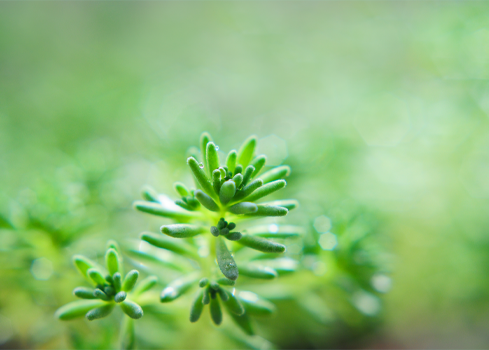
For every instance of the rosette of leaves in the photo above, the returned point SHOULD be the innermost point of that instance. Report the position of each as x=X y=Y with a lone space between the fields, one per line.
x=214 y=221
x=109 y=288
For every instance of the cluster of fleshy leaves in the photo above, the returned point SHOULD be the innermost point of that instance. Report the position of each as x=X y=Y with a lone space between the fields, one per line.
x=223 y=191
x=109 y=288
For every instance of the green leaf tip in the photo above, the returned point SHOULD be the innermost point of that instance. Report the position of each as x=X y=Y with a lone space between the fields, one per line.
x=149 y=194
x=246 y=151
x=231 y=160
x=212 y=157
x=112 y=261
x=227 y=191
x=276 y=173
x=96 y=276
x=201 y=177
x=130 y=280
x=181 y=189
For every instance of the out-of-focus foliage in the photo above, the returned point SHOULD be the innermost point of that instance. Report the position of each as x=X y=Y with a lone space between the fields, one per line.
x=385 y=105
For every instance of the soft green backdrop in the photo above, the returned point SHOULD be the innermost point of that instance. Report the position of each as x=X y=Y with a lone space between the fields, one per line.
x=380 y=104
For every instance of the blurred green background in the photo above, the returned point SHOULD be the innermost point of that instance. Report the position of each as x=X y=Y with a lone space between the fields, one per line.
x=379 y=107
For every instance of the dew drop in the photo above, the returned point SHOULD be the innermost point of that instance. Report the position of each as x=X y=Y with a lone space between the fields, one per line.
x=217 y=148
x=201 y=165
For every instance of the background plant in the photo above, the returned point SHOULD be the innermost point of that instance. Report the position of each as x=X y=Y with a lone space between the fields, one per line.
x=95 y=127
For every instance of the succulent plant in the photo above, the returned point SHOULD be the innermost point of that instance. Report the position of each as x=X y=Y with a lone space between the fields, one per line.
x=109 y=288
x=214 y=221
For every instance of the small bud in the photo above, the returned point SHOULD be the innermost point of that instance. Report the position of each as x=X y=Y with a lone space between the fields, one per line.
x=120 y=297
x=214 y=231
x=203 y=282
x=131 y=309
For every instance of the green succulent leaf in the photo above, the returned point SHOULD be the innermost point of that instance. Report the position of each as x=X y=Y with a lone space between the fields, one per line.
x=248 y=189
x=159 y=210
x=261 y=244
x=77 y=309
x=112 y=261
x=258 y=163
x=178 y=247
x=131 y=309
x=205 y=138
x=182 y=230
x=178 y=287
x=269 y=210
x=149 y=194
x=99 y=312
x=238 y=179
x=96 y=276
x=130 y=280
x=243 y=208
x=201 y=177
x=256 y=305
x=117 y=278
x=181 y=189
x=225 y=260
x=275 y=174
x=216 y=312
x=227 y=192
x=197 y=306
x=246 y=151
x=212 y=157
x=206 y=201
x=233 y=304
x=231 y=160
x=145 y=285
x=266 y=190
x=257 y=271
x=120 y=297
x=84 y=293
x=150 y=258
x=83 y=265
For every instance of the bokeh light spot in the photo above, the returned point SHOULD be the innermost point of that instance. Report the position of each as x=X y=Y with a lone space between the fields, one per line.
x=328 y=241
x=366 y=303
x=381 y=283
x=42 y=269
x=322 y=224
